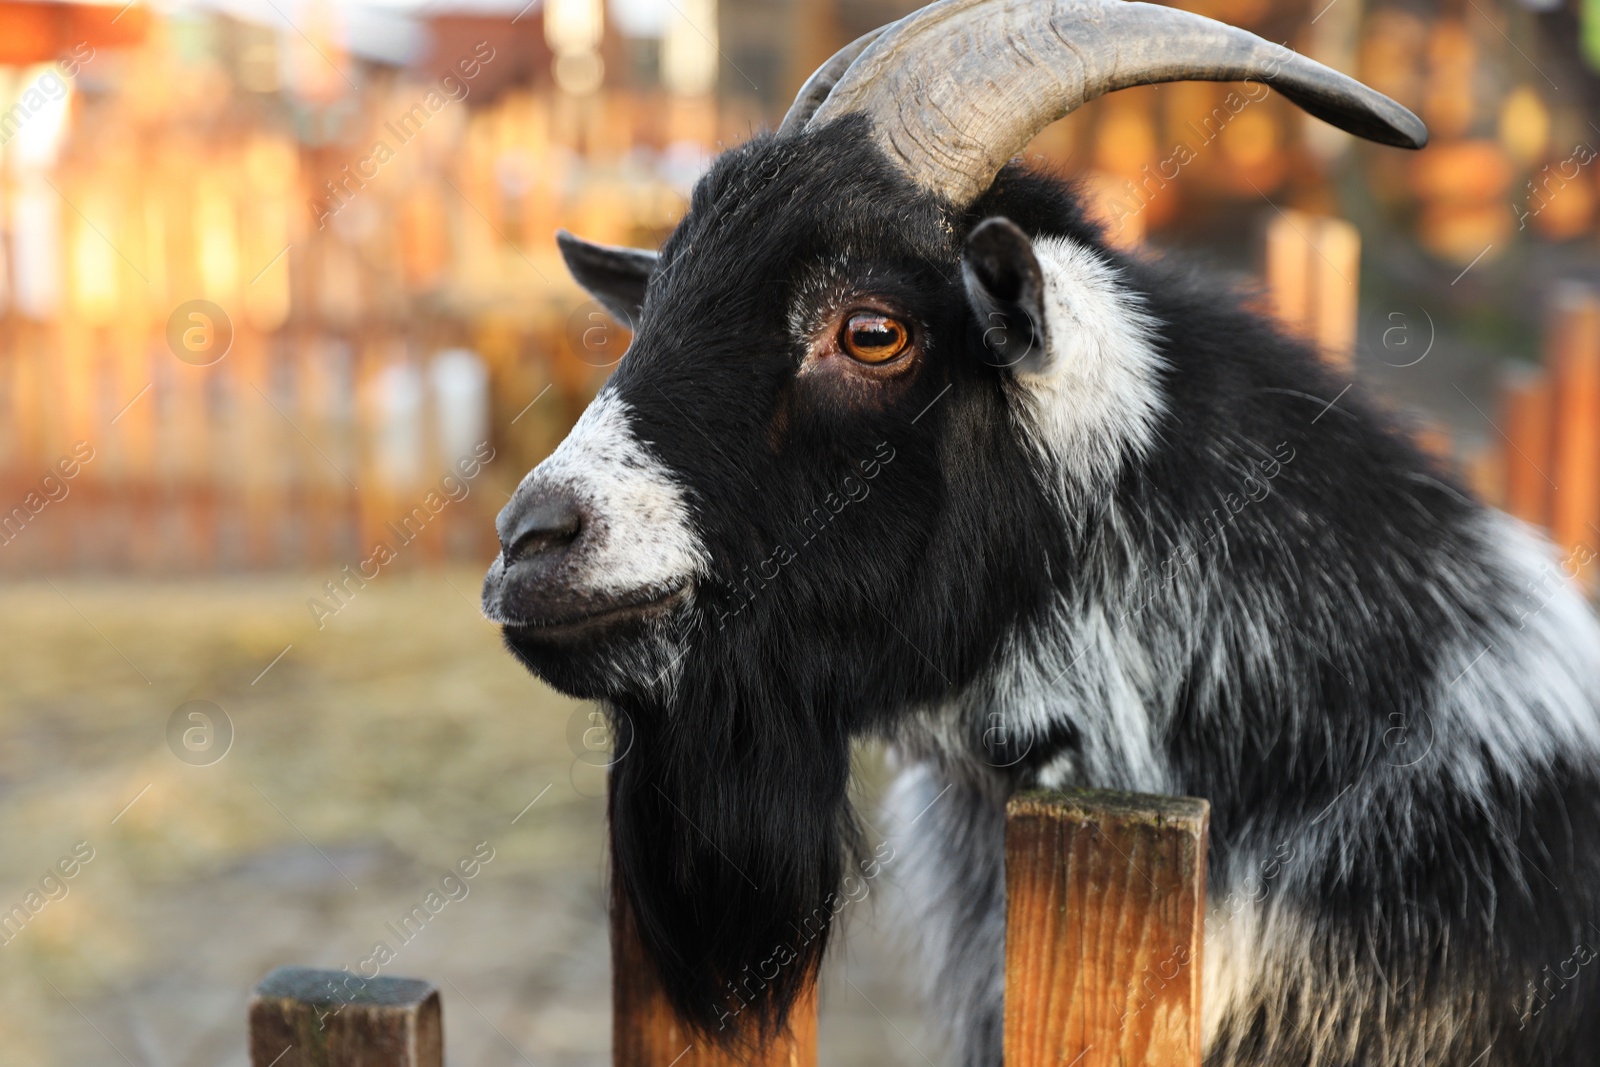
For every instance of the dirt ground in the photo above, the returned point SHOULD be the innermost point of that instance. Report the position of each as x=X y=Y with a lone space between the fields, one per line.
x=367 y=758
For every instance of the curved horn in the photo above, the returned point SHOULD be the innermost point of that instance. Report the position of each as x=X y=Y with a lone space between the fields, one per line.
x=822 y=81
x=958 y=88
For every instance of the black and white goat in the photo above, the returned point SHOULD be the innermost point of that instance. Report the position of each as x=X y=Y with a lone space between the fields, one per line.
x=903 y=448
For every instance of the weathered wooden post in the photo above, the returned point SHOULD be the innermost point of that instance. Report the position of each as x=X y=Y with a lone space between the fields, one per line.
x=302 y=1017
x=645 y=1032
x=1105 y=920
x=1525 y=402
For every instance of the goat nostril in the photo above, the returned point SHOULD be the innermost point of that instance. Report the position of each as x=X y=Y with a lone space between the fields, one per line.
x=547 y=525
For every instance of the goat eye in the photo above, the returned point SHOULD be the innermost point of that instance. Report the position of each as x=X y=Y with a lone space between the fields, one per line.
x=873 y=338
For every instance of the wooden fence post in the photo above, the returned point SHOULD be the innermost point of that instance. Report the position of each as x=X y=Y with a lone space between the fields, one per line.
x=1313 y=267
x=301 y=1017
x=1525 y=403
x=645 y=1032
x=1105 y=920
x=1574 y=362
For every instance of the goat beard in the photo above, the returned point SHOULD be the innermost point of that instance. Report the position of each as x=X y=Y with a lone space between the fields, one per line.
x=729 y=834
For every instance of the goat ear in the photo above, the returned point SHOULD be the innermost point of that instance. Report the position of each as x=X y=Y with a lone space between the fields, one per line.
x=614 y=276
x=1005 y=286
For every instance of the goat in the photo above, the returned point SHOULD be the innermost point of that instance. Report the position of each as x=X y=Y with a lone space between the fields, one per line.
x=903 y=448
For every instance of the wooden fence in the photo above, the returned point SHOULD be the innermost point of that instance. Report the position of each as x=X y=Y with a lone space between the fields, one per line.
x=1541 y=457
x=1550 y=424
x=1105 y=921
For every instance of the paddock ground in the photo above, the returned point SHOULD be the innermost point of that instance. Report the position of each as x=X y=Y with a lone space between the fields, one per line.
x=372 y=756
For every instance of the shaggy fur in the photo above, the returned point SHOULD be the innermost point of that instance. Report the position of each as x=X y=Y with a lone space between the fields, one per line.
x=1176 y=555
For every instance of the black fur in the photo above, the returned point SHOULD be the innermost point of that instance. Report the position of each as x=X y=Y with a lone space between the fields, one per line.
x=1006 y=287
x=616 y=276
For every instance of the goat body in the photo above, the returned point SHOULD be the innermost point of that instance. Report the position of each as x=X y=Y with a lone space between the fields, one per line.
x=1140 y=540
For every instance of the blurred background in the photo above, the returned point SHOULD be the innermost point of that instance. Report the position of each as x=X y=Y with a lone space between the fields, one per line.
x=282 y=322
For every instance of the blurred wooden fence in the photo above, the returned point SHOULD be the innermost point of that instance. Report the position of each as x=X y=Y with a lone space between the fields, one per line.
x=1549 y=465
x=281 y=453
x=349 y=280
x=1541 y=462
x=1105 y=925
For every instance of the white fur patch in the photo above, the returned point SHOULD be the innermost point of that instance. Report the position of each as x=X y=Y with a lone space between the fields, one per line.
x=1507 y=698
x=1528 y=692
x=1115 y=689
x=1090 y=409
x=641 y=536
x=1096 y=400
x=948 y=871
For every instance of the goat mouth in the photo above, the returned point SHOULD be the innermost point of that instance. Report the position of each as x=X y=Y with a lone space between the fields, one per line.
x=593 y=618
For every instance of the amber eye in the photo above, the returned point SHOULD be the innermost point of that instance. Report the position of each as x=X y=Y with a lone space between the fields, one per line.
x=873 y=338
